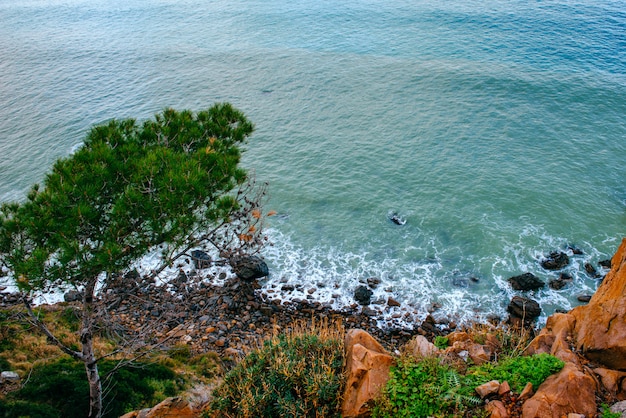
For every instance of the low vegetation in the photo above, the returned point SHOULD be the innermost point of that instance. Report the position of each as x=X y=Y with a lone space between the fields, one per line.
x=296 y=374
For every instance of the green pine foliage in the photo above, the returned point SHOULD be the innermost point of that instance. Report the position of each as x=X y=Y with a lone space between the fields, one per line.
x=129 y=188
x=289 y=376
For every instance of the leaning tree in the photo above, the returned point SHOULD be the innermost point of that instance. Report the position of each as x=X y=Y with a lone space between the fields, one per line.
x=173 y=182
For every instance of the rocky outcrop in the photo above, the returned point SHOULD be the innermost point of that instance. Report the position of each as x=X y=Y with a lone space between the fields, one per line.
x=367 y=371
x=190 y=405
x=249 y=267
x=569 y=391
x=363 y=295
x=523 y=310
x=598 y=332
x=555 y=261
x=600 y=328
x=525 y=282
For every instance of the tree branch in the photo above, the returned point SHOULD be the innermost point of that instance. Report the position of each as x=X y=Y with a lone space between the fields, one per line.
x=34 y=320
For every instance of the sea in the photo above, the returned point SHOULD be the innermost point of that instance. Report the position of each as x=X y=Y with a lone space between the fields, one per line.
x=494 y=129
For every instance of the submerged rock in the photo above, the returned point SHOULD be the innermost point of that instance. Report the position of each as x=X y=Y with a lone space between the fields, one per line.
x=555 y=261
x=526 y=281
x=396 y=218
x=561 y=282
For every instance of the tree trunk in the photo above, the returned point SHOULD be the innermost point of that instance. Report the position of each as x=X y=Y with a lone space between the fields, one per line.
x=88 y=357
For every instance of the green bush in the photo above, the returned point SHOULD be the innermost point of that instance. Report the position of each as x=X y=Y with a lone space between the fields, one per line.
x=421 y=389
x=517 y=371
x=441 y=342
x=289 y=376
x=60 y=389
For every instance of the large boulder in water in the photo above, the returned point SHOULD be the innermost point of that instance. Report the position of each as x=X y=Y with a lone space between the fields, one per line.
x=249 y=267
x=526 y=281
x=363 y=295
x=523 y=308
x=555 y=261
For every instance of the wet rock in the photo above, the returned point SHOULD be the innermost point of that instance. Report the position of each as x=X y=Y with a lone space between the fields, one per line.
x=392 y=302
x=575 y=250
x=591 y=270
x=560 y=282
x=249 y=268
x=526 y=281
x=363 y=295
x=524 y=308
x=556 y=260
x=373 y=282
x=396 y=218
x=605 y=264
x=584 y=298
x=201 y=260
x=73 y=296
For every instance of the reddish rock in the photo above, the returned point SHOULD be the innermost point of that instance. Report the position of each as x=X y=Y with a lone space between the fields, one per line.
x=496 y=409
x=601 y=325
x=367 y=371
x=489 y=388
x=555 y=338
x=569 y=391
x=421 y=347
x=613 y=381
x=504 y=388
x=170 y=408
x=527 y=392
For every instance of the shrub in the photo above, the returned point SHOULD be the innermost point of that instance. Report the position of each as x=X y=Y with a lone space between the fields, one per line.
x=517 y=371
x=298 y=374
x=420 y=389
x=441 y=342
x=60 y=389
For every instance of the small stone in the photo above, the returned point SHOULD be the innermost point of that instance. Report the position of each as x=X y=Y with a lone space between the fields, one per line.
x=488 y=388
x=220 y=343
x=9 y=377
x=363 y=295
x=210 y=330
x=392 y=302
x=591 y=270
x=504 y=388
x=527 y=392
x=584 y=298
x=373 y=282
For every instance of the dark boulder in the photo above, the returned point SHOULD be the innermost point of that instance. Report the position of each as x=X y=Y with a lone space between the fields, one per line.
x=201 y=260
x=73 y=296
x=555 y=261
x=249 y=267
x=524 y=308
x=591 y=270
x=526 y=281
x=575 y=250
x=363 y=295
x=396 y=218
x=561 y=282
x=605 y=264
x=584 y=298
x=373 y=282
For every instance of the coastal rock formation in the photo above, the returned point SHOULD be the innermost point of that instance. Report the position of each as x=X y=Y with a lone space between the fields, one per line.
x=523 y=310
x=249 y=268
x=569 y=391
x=560 y=282
x=555 y=261
x=600 y=328
x=363 y=295
x=367 y=371
x=526 y=281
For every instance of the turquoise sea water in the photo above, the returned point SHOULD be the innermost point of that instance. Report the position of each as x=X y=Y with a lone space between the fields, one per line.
x=496 y=128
